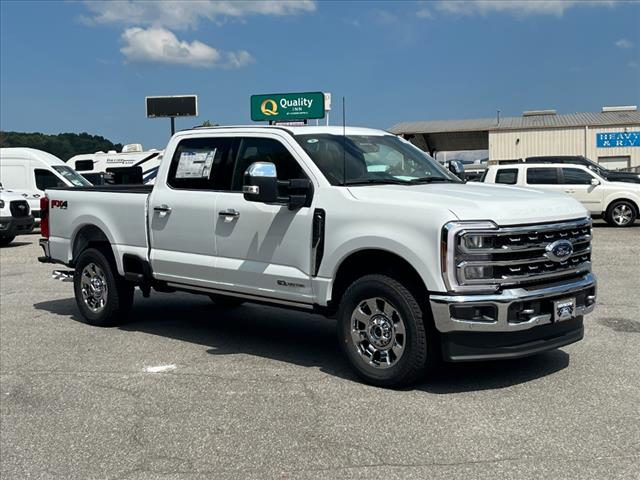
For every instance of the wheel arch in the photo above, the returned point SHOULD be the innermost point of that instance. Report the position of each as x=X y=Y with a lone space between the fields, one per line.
x=611 y=201
x=372 y=261
x=90 y=236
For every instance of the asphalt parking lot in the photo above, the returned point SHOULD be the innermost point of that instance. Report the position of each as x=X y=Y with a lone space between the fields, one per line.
x=259 y=392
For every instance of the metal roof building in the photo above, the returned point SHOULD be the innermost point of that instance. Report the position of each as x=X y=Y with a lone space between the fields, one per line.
x=611 y=136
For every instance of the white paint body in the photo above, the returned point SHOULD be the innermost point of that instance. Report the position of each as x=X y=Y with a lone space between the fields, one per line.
x=192 y=245
x=595 y=198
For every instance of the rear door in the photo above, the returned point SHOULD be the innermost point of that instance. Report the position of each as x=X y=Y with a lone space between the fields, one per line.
x=264 y=250
x=577 y=183
x=544 y=178
x=182 y=212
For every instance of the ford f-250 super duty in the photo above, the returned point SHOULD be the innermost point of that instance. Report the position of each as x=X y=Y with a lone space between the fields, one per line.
x=417 y=266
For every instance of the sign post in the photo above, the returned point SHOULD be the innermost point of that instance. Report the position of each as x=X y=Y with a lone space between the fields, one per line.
x=287 y=107
x=172 y=107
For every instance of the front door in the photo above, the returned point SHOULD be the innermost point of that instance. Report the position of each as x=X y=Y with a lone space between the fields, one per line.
x=264 y=250
x=577 y=183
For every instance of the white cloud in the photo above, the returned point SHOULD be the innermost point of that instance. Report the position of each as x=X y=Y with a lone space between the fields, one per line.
x=624 y=43
x=158 y=45
x=183 y=14
x=518 y=8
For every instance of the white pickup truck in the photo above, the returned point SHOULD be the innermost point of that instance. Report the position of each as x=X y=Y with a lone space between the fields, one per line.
x=417 y=266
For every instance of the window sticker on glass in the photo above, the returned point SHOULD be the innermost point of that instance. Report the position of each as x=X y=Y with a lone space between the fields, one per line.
x=195 y=163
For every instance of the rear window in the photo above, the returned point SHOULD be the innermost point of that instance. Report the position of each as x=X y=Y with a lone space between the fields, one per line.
x=508 y=176
x=542 y=176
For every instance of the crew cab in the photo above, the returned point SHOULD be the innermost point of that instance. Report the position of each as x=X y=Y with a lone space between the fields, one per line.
x=417 y=266
x=616 y=202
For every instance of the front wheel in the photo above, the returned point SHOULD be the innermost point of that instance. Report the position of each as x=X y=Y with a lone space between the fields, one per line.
x=382 y=331
x=103 y=297
x=621 y=214
x=5 y=241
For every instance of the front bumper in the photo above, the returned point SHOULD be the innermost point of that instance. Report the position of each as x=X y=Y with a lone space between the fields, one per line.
x=515 y=322
x=11 y=226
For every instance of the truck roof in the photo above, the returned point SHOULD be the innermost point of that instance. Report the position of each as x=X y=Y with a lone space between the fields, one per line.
x=299 y=130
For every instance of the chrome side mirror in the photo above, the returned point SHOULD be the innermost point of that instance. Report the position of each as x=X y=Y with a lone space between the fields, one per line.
x=261 y=183
x=457 y=168
x=595 y=182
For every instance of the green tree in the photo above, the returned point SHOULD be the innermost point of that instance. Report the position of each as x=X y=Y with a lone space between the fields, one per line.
x=63 y=145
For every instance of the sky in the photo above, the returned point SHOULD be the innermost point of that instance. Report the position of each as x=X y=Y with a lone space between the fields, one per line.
x=75 y=66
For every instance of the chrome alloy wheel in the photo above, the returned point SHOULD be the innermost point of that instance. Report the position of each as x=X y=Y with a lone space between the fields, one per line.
x=622 y=214
x=93 y=283
x=378 y=332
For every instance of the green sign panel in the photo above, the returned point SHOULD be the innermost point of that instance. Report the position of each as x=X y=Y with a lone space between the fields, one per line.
x=278 y=107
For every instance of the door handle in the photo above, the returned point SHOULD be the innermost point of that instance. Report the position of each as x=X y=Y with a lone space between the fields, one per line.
x=569 y=191
x=229 y=214
x=164 y=208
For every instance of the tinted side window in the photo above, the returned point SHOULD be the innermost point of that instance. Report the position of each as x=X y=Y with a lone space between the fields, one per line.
x=542 y=176
x=575 y=176
x=46 y=179
x=201 y=164
x=264 y=150
x=508 y=176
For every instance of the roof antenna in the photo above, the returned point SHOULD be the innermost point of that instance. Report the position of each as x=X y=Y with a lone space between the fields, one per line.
x=344 y=144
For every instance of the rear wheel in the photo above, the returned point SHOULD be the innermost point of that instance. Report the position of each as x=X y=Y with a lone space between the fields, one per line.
x=621 y=214
x=103 y=297
x=5 y=241
x=381 y=327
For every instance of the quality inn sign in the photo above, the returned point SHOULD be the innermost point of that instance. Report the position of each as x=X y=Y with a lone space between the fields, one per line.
x=287 y=106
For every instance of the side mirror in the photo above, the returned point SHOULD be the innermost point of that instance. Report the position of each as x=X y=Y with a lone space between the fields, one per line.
x=457 y=168
x=595 y=182
x=261 y=183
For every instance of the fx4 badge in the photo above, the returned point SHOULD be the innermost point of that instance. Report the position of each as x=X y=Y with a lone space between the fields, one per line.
x=59 y=204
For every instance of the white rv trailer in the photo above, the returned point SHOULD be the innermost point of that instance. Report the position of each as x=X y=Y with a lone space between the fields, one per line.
x=93 y=166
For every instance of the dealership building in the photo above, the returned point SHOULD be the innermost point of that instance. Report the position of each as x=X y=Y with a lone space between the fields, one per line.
x=610 y=137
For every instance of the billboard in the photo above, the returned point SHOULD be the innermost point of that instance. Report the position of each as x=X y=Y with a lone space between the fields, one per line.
x=172 y=106
x=287 y=106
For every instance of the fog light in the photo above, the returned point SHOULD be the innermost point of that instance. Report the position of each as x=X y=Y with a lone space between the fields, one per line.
x=474 y=313
x=478 y=273
x=4 y=226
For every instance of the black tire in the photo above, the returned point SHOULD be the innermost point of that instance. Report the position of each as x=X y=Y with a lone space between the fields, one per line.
x=226 y=302
x=621 y=214
x=5 y=241
x=119 y=292
x=418 y=352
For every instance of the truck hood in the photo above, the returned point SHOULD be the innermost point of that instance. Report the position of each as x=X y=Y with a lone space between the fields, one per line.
x=478 y=201
x=623 y=177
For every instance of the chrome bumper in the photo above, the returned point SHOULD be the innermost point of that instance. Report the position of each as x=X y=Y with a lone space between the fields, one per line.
x=509 y=300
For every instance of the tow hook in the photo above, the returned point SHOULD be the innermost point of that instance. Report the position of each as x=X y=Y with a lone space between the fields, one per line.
x=63 y=275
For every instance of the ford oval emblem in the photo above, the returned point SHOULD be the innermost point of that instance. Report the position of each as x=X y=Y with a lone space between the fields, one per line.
x=559 y=251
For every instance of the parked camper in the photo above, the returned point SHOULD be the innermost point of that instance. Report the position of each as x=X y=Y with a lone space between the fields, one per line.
x=28 y=172
x=131 y=165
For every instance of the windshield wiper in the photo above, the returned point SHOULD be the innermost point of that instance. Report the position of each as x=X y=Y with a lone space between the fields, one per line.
x=376 y=181
x=430 y=180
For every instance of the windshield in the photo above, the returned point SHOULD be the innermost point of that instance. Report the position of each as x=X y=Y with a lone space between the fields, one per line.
x=71 y=176
x=370 y=159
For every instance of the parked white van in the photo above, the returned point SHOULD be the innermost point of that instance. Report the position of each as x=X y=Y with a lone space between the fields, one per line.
x=132 y=161
x=29 y=172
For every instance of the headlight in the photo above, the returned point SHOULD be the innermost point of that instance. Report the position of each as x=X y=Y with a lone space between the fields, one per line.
x=464 y=248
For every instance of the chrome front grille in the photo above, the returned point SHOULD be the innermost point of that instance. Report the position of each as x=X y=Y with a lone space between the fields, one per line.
x=484 y=255
x=19 y=208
